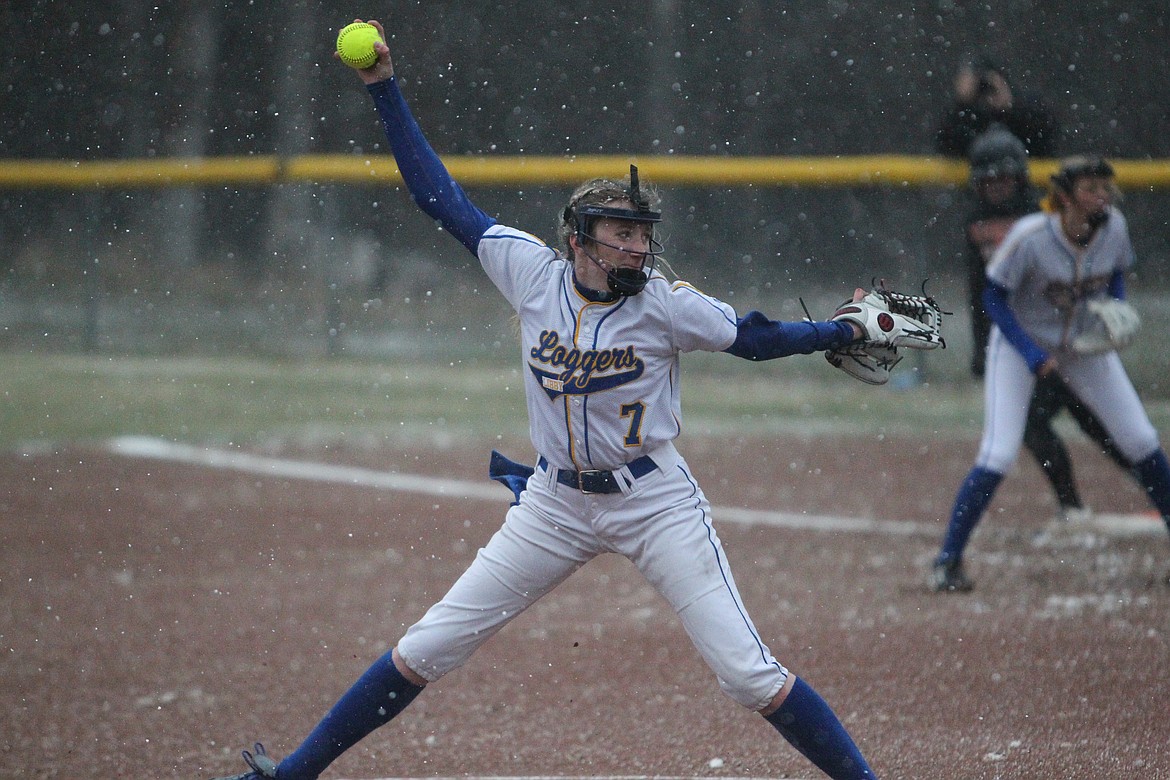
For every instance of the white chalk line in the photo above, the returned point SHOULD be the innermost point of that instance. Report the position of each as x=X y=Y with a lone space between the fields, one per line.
x=160 y=449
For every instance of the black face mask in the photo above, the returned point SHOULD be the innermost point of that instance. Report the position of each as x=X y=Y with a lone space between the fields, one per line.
x=1097 y=219
x=626 y=281
x=1094 y=221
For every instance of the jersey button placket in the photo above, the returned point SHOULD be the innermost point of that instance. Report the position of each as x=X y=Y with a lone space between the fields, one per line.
x=585 y=334
x=583 y=341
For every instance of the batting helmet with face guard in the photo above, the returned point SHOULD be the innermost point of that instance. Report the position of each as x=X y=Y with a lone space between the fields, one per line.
x=592 y=201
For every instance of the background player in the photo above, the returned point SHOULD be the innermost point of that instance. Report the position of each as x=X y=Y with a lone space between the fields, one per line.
x=601 y=332
x=1040 y=285
x=1003 y=192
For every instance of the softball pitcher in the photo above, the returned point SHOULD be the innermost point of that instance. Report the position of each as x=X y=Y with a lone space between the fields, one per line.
x=601 y=333
x=1056 y=294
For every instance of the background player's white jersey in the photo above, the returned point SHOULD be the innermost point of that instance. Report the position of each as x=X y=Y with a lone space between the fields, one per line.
x=602 y=380
x=1050 y=279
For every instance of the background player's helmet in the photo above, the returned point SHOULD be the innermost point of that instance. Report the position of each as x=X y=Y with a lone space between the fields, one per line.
x=1078 y=167
x=996 y=152
x=590 y=202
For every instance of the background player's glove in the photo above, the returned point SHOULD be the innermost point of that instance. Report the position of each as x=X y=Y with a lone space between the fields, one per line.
x=892 y=319
x=1114 y=325
x=871 y=363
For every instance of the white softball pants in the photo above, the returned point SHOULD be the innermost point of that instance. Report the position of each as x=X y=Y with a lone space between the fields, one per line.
x=661 y=523
x=1099 y=381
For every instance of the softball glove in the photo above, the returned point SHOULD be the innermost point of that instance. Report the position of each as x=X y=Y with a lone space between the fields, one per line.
x=888 y=320
x=871 y=363
x=1114 y=325
x=892 y=319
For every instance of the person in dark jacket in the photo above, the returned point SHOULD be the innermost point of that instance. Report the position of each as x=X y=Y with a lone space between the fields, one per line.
x=983 y=97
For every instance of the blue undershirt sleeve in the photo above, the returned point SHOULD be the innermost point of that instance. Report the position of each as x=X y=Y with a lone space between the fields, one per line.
x=995 y=303
x=759 y=338
x=431 y=186
x=1117 y=284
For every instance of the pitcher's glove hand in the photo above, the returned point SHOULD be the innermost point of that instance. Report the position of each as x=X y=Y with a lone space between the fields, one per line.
x=1114 y=325
x=870 y=363
x=888 y=320
x=892 y=319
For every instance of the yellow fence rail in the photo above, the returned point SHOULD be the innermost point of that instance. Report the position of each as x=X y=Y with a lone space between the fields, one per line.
x=486 y=171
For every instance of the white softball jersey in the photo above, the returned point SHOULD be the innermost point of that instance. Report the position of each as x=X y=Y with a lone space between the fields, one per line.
x=602 y=379
x=1049 y=282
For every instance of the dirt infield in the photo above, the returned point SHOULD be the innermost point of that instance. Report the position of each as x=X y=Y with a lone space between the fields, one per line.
x=158 y=616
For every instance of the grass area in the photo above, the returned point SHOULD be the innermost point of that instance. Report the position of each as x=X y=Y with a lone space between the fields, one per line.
x=439 y=371
x=236 y=400
x=55 y=398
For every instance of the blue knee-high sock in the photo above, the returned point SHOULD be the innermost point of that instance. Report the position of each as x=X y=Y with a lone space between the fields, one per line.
x=974 y=495
x=1154 y=475
x=378 y=695
x=807 y=722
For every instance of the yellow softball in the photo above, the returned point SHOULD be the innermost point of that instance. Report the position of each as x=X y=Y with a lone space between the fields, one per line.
x=355 y=45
